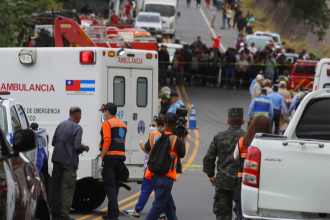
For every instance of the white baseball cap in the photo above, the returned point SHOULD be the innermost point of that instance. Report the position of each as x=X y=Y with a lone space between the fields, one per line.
x=259 y=77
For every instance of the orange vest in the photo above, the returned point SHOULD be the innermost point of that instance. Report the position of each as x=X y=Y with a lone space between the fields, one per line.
x=153 y=137
x=242 y=151
x=114 y=138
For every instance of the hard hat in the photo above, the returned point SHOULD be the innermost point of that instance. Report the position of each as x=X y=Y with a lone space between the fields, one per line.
x=301 y=95
x=165 y=88
x=266 y=81
x=282 y=83
x=166 y=95
x=259 y=77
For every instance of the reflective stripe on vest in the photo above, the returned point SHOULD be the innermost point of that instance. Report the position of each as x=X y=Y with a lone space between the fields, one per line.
x=262 y=104
x=118 y=137
x=172 y=172
x=242 y=151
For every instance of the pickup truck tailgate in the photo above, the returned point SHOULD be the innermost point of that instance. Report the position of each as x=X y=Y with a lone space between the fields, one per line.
x=294 y=175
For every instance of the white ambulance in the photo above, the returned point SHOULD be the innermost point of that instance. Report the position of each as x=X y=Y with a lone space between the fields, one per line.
x=48 y=81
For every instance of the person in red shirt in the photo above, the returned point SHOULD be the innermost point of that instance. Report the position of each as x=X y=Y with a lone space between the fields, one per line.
x=128 y=8
x=114 y=18
x=216 y=42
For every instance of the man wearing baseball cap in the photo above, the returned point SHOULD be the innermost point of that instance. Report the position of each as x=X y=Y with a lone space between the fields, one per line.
x=175 y=102
x=112 y=157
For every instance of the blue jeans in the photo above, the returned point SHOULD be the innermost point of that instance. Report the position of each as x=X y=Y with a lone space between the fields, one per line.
x=219 y=5
x=163 y=198
x=146 y=190
x=239 y=209
x=232 y=72
x=224 y=22
x=229 y=22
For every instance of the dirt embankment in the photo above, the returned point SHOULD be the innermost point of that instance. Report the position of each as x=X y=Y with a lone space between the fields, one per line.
x=287 y=26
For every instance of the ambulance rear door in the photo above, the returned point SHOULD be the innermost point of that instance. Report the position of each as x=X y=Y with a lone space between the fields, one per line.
x=131 y=90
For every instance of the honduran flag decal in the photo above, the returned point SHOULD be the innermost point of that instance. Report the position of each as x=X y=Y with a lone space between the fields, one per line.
x=80 y=85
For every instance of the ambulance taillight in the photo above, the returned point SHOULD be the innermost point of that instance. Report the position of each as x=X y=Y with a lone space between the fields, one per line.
x=87 y=57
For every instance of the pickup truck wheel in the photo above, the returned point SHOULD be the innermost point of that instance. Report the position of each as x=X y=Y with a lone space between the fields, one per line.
x=89 y=195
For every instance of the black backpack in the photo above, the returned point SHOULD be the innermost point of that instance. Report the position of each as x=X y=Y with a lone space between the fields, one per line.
x=160 y=159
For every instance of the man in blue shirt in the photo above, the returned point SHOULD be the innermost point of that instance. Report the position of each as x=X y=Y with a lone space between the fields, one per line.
x=261 y=105
x=278 y=103
x=175 y=102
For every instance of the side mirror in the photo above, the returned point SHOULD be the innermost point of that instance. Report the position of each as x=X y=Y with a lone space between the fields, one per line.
x=179 y=14
x=24 y=140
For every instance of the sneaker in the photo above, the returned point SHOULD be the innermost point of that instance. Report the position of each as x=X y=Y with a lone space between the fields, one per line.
x=162 y=217
x=131 y=213
x=234 y=87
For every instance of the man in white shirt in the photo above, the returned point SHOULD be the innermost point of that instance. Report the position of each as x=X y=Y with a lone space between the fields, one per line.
x=252 y=49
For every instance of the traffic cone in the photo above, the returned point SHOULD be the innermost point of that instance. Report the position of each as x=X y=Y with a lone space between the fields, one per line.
x=192 y=119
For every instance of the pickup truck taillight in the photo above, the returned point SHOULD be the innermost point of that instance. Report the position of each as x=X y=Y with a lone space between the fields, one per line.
x=252 y=167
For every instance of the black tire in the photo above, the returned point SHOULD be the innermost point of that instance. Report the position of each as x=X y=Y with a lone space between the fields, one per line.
x=89 y=195
x=47 y=181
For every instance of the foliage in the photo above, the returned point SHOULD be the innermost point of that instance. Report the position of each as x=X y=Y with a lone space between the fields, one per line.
x=313 y=12
x=16 y=19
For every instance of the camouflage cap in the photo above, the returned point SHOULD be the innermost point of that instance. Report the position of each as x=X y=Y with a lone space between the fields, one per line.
x=236 y=112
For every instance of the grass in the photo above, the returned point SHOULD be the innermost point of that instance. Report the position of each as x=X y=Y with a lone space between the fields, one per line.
x=264 y=22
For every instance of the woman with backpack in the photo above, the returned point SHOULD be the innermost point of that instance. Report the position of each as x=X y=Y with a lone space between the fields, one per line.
x=260 y=124
x=146 y=187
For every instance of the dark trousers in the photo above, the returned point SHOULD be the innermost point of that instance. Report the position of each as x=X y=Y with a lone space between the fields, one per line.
x=163 y=73
x=239 y=210
x=194 y=73
x=276 y=120
x=63 y=183
x=110 y=168
x=223 y=204
x=163 y=198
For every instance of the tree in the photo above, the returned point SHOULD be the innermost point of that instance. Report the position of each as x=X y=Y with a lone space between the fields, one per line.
x=313 y=12
x=16 y=19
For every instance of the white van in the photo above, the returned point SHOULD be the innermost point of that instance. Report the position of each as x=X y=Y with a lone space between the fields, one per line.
x=168 y=11
x=55 y=79
x=322 y=75
x=275 y=36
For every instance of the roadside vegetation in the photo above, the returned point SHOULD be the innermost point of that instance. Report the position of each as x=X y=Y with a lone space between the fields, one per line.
x=264 y=22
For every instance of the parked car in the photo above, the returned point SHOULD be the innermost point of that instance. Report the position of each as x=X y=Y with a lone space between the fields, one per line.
x=284 y=176
x=302 y=74
x=150 y=21
x=22 y=193
x=275 y=36
x=259 y=41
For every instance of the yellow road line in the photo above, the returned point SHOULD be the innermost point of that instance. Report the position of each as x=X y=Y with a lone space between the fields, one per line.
x=104 y=209
x=187 y=149
x=169 y=39
x=185 y=94
x=164 y=40
x=179 y=93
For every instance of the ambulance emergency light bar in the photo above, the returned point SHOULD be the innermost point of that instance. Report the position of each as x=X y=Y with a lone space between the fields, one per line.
x=28 y=56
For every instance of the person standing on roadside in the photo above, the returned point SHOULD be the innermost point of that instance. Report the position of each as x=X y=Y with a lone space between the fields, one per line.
x=230 y=68
x=229 y=14
x=67 y=147
x=224 y=16
x=112 y=157
x=261 y=124
x=163 y=62
x=222 y=147
x=286 y=96
x=176 y=68
x=278 y=104
x=163 y=183
x=214 y=10
x=238 y=13
x=186 y=55
x=216 y=41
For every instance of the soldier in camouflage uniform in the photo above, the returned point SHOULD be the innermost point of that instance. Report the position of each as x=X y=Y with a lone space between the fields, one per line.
x=223 y=146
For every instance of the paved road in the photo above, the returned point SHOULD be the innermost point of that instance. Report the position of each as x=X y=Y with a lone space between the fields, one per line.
x=193 y=194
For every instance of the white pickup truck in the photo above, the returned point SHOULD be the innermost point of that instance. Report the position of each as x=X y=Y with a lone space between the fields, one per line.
x=285 y=177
